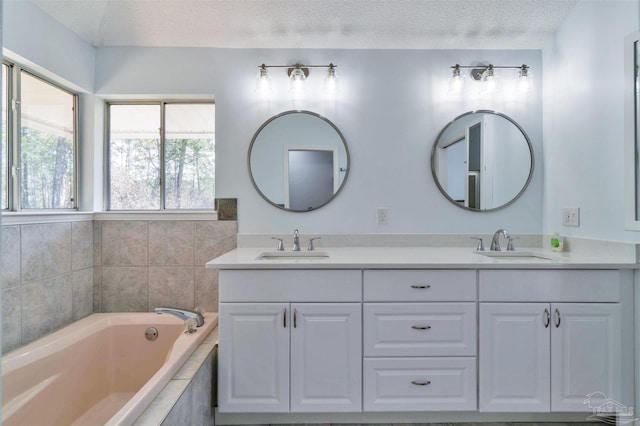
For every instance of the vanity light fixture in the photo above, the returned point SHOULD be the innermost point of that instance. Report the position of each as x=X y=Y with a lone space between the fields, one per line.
x=487 y=76
x=298 y=74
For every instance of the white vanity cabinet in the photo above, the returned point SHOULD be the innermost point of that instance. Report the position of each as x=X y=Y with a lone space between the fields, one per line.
x=290 y=341
x=419 y=339
x=548 y=339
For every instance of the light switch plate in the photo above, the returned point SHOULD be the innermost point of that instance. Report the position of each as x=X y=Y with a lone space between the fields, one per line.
x=383 y=216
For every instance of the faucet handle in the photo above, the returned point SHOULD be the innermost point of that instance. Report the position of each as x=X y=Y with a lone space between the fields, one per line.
x=480 y=243
x=510 y=246
x=280 y=243
x=311 y=246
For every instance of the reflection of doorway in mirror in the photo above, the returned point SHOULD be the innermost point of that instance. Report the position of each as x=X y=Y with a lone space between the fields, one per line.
x=311 y=176
x=453 y=164
x=475 y=170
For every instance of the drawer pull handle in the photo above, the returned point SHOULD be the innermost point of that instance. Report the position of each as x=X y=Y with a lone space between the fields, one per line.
x=557 y=318
x=420 y=286
x=420 y=382
x=284 y=318
x=421 y=327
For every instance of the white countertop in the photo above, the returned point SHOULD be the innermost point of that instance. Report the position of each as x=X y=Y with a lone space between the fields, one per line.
x=422 y=257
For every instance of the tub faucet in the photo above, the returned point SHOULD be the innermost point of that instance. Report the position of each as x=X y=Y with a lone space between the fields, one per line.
x=296 y=240
x=495 y=242
x=183 y=314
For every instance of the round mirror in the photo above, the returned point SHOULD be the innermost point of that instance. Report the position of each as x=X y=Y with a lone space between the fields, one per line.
x=482 y=161
x=298 y=161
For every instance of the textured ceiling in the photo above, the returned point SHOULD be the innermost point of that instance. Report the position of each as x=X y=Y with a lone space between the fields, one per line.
x=351 y=24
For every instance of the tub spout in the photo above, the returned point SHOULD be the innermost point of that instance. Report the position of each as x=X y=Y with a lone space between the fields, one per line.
x=183 y=314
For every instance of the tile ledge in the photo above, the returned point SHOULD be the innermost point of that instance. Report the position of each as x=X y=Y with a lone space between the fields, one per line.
x=157 y=215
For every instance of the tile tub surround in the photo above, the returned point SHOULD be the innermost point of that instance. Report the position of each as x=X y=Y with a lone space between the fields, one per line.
x=141 y=264
x=58 y=272
x=47 y=278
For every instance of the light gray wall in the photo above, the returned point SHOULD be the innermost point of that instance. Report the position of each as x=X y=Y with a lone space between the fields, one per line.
x=47 y=46
x=391 y=107
x=584 y=119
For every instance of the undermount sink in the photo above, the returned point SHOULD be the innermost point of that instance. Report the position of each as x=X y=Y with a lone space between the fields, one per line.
x=292 y=255
x=515 y=255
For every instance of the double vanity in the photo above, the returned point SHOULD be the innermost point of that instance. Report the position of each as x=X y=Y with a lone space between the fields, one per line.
x=370 y=334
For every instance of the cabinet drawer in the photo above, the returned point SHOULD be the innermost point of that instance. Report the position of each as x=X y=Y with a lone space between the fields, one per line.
x=419 y=384
x=549 y=286
x=300 y=285
x=419 y=329
x=420 y=286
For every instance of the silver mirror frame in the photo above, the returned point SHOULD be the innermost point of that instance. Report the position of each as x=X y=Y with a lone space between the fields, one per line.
x=444 y=192
x=333 y=126
x=631 y=132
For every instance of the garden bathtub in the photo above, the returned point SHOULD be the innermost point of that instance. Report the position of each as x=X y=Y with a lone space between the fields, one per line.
x=100 y=370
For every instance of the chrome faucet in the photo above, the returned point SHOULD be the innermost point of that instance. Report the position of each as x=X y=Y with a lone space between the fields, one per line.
x=183 y=314
x=495 y=242
x=296 y=240
x=311 y=246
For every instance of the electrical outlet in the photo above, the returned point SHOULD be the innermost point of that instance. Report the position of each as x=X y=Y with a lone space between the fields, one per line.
x=383 y=216
x=571 y=216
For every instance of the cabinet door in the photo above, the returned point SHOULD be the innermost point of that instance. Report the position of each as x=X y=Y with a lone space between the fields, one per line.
x=514 y=357
x=585 y=354
x=253 y=357
x=326 y=357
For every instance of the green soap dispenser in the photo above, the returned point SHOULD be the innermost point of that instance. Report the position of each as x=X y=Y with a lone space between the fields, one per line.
x=556 y=242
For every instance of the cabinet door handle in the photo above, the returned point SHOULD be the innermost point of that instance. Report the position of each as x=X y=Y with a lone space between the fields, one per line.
x=295 y=318
x=284 y=318
x=547 y=318
x=420 y=286
x=421 y=327
x=557 y=318
x=420 y=382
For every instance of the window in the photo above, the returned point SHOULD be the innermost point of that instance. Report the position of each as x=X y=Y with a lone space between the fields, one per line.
x=161 y=155
x=4 y=148
x=38 y=142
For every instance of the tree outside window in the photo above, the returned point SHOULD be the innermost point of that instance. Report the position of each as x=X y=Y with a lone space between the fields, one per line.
x=161 y=156
x=38 y=143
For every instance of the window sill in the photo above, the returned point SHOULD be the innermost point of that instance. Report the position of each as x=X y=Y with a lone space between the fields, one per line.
x=26 y=218
x=157 y=215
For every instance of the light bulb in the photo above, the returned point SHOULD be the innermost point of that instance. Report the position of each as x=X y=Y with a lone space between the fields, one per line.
x=263 y=81
x=330 y=83
x=489 y=81
x=456 y=81
x=297 y=81
x=524 y=79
